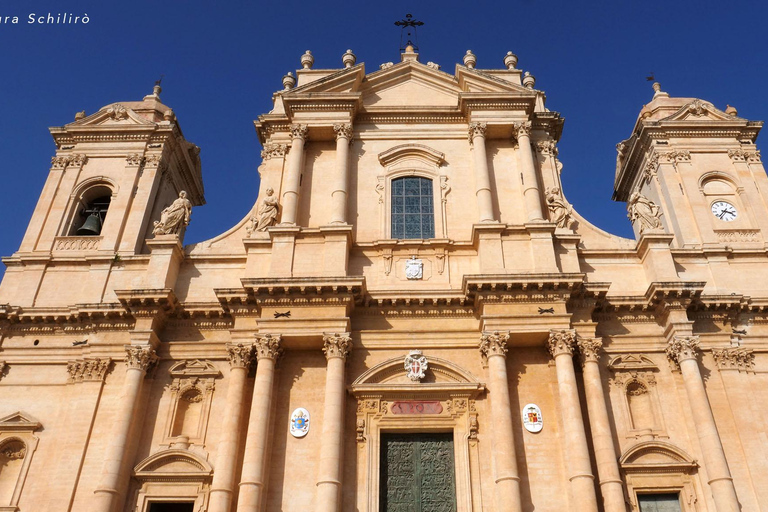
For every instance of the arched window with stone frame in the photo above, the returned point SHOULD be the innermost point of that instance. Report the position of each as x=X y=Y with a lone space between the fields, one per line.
x=88 y=208
x=17 y=446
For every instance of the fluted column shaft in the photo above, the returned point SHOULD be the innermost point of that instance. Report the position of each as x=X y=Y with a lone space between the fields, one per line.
x=683 y=349
x=223 y=485
x=493 y=346
x=339 y=194
x=561 y=345
x=113 y=474
x=250 y=499
x=611 y=486
x=482 y=176
x=293 y=176
x=531 y=192
x=336 y=348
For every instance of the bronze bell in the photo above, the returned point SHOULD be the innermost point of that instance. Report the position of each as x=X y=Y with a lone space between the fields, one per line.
x=91 y=226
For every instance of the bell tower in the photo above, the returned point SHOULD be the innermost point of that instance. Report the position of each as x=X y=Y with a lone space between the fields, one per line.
x=694 y=171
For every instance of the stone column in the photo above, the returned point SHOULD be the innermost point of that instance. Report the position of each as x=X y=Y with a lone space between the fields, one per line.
x=482 y=177
x=611 y=485
x=336 y=348
x=223 y=485
x=251 y=495
x=531 y=192
x=493 y=347
x=339 y=194
x=683 y=351
x=113 y=473
x=293 y=175
x=560 y=345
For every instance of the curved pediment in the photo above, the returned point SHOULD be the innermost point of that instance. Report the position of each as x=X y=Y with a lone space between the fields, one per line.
x=404 y=152
x=658 y=456
x=392 y=371
x=173 y=464
x=699 y=110
x=115 y=114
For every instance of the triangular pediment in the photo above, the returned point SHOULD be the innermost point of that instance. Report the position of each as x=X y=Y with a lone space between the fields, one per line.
x=699 y=110
x=117 y=115
x=19 y=421
x=628 y=362
x=410 y=84
x=472 y=80
x=194 y=368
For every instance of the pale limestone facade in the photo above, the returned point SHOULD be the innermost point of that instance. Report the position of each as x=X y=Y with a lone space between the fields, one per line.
x=138 y=372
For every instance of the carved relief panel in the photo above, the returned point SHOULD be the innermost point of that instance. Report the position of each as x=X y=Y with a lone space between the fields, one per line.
x=191 y=394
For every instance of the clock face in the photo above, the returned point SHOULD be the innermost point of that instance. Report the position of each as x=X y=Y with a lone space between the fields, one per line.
x=724 y=211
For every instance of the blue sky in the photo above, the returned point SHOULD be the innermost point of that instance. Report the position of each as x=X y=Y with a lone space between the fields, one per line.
x=222 y=61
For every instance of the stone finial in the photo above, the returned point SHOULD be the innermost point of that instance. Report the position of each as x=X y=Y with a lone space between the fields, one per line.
x=470 y=60
x=348 y=59
x=658 y=92
x=81 y=115
x=529 y=80
x=168 y=115
x=307 y=60
x=656 y=86
x=510 y=60
x=731 y=111
x=288 y=81
x=156 y=90
x=336 y=345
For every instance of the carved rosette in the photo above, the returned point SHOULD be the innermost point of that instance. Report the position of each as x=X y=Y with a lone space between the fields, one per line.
x=343 y=131
x=337 y=345
x=272 y=150
x=561 y=342
x=734 y=358
x=523 y=129
x=239 y=355
x=140 y=357
x=88 y=369
x=476 y=130
x=268 y=347
x=493 y=344
x=589 y=349
x=681 y=348
x=299 y=131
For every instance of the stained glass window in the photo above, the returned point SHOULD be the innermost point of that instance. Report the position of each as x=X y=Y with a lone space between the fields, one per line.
x=659 y=502
x=413 y=214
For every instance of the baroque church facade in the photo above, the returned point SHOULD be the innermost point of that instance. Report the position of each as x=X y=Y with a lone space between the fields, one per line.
x=411 y=318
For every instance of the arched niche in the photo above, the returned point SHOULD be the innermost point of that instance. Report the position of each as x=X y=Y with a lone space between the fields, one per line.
x=174 y=475
x=17 y=446
x=191 y=393
x=443 y=401
x=656 y=467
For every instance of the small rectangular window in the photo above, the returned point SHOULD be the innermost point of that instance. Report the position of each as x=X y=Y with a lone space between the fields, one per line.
x=662 y=502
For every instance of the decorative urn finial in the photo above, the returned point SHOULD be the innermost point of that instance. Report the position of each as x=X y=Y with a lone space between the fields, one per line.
x=510 y=60
x=731 y=111
x=529 y=80
x=307 y=60
x=348 y=59
x=470 y=60
x=80 y=115
x=288 y=81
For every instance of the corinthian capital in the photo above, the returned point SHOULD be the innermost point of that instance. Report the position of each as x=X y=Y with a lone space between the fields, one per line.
x=589 y=349
x=268 y=347
x=681 y=348
x=299 y=131
x=734 y=358
x=88 y=369
x=239 y=355
x=477 y=129
x=523 y=129
x=139 y=357
x=343 y=130
x=336 y=345
x=561 y=342
x=493 y=344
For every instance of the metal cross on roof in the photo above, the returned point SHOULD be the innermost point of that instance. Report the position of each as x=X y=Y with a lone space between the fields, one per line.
x=409 y=25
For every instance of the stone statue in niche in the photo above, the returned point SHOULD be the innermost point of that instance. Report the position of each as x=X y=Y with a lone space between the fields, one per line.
x=267 y=213
x=559 y=210
x=175 y=217
x=642 y=209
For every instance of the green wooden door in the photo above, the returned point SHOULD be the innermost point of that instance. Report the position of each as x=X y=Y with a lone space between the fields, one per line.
x=417 y=473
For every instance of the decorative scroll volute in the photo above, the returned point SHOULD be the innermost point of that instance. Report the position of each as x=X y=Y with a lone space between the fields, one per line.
x=589 y=349
x=239 y=355
x=268 y=347
x=140 y=357
x=561 y=342
x=493 y=344
x=681 y=348
x=337 y=345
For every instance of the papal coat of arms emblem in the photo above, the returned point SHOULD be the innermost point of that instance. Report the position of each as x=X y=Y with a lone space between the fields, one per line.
x=532 y=420
x=299 y=422
x=414 y=269
x=415 y=365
